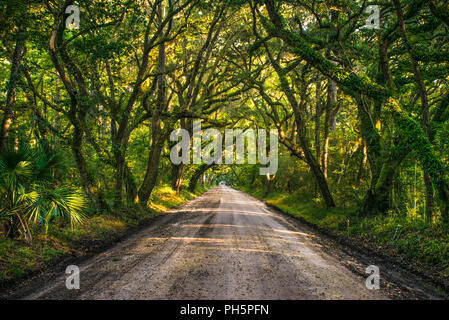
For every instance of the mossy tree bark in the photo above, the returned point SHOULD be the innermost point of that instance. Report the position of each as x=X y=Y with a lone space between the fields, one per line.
x=411 y=133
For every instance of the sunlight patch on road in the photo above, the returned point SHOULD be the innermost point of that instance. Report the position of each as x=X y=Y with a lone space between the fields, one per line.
x=231 y=241
x=220 y=210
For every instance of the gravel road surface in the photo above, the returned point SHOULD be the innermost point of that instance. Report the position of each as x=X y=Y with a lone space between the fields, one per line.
x=222 y=245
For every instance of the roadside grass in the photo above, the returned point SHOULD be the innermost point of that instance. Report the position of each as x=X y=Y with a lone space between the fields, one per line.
x=18 y=259
x=408 y=238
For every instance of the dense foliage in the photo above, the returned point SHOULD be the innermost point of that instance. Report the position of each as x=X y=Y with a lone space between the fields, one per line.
x=87 y=113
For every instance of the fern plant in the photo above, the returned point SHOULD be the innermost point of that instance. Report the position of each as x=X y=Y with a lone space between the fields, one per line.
x=29 y=193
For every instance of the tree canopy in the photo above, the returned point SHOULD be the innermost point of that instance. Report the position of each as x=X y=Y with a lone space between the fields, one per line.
x=362 y=113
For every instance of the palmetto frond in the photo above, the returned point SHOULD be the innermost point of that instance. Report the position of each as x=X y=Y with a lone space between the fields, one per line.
x=47 y=162
x=27 y=192
x=63 y=201
x=16 y=166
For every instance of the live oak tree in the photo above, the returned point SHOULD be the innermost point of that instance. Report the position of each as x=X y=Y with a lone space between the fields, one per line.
x=362 y=114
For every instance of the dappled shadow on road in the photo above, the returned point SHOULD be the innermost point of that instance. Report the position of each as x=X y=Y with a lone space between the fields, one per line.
x=230 y=244
x=213 y=226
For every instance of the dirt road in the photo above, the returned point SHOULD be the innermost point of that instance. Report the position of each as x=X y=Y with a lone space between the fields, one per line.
x=222 y=245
